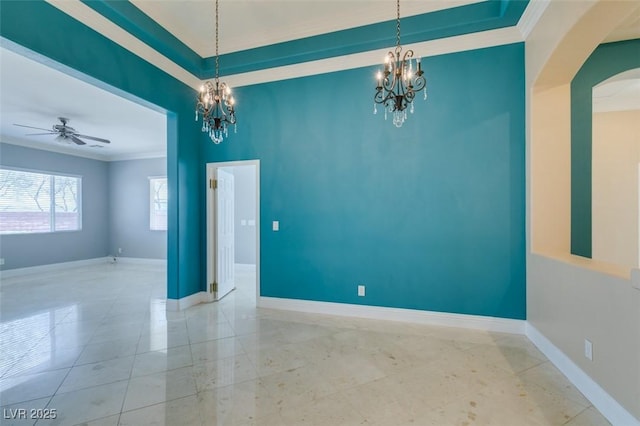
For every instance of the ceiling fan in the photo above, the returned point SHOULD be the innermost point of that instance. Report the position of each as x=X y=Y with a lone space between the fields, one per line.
x=64 y=133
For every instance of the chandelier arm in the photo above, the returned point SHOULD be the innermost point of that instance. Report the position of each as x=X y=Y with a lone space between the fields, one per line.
x=381 y=98
x=407 y=55
x=389 y=82
x=419 y=83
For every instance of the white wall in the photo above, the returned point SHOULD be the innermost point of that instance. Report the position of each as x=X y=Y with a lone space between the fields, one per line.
x=245 y=214
x=616 y=155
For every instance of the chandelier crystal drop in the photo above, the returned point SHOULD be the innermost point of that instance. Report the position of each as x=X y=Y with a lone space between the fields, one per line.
x=399 y=81
x=215 y=104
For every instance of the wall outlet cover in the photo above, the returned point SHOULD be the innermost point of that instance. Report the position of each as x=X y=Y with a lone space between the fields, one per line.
x=361 y=291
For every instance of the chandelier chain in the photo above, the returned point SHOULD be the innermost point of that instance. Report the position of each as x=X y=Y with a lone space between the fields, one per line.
x=217 y=60
x=398 y=23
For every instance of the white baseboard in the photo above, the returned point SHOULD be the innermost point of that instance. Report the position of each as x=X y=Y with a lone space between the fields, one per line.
x=10 y=273
x=608 y=406
x=175 y=305
x=477 y=322
x=17 y=272
x=139 y=261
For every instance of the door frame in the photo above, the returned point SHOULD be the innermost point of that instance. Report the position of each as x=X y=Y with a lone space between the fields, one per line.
x=210 y=218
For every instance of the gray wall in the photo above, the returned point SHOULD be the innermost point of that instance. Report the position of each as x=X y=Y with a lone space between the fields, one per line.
x=24 y=250
x=129 y=209
x=245 y=210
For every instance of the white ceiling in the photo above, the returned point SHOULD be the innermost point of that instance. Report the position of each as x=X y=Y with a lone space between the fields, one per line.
x=246 y=24
x=34 y=94
x=627 y=30
x=618 y=93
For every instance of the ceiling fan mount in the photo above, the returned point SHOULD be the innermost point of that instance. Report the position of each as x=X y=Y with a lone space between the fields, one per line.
x=64 y=133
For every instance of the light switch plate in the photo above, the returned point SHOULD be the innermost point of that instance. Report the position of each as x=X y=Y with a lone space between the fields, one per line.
x=276 y=225
x=361 y=290
x=588 y=349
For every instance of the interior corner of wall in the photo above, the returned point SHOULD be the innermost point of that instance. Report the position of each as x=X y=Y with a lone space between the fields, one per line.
x=635 y=278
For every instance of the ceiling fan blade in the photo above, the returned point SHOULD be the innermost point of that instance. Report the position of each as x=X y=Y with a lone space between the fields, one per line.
x=40 y=134
x=94 y=138
x=31 y=127
x=76 y=140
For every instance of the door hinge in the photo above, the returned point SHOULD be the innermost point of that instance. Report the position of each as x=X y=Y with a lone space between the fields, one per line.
x=213 y=287
x=213 y=183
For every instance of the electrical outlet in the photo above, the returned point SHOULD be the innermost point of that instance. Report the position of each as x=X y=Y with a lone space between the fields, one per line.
x=119 y=250
x=276 y=225
x=361 y=290
x=588 y=349
x=1 y=261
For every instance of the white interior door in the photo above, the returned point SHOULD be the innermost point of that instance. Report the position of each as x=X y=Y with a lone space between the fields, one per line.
x=224 y=262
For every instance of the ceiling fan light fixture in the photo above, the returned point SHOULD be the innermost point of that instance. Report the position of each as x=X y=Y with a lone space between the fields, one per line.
x=64 y=133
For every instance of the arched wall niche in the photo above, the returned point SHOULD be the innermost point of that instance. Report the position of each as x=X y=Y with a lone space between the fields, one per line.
x=579 y=27
x=606 y=61
x=615 y=169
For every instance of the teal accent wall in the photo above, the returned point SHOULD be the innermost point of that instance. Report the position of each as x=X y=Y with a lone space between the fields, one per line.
x=428 y=216
x=44 y=30
x=606 y=61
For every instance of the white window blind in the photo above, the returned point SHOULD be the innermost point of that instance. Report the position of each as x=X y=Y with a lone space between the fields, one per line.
x=33 y=202
x=158 y=203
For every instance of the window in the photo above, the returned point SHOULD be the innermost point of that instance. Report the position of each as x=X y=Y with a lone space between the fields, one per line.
x=37 y=202
x=158 y=203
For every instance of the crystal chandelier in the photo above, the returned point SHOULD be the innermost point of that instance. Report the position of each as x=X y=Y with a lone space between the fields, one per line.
x=399 y=81
x=216 y=104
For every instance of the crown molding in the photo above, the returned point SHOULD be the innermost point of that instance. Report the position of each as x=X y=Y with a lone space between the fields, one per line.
x=532 y=14
x=56 y=148
x=426 y=49
x=83 y=151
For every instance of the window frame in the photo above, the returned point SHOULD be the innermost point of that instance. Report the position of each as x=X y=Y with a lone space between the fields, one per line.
x=52 y=200
x=152 y=201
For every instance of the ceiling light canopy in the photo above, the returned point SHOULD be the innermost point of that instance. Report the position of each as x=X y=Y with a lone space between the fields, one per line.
x=399 y=81
x=215 y=104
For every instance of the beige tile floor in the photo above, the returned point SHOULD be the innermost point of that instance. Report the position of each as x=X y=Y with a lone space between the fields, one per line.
x=96 y=345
